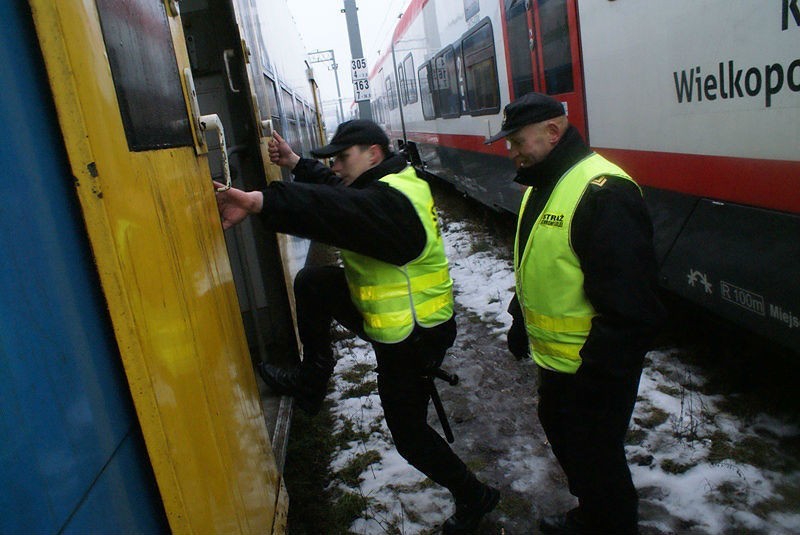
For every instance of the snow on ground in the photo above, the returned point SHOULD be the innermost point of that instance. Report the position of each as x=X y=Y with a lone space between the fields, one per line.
x=698 y=468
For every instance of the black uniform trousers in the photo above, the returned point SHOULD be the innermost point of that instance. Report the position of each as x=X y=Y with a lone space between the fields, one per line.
x=586 y=420
x=322 y=295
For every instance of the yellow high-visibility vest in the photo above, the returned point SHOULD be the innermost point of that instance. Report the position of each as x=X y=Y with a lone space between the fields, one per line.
x=558 y=315
x=393 y=299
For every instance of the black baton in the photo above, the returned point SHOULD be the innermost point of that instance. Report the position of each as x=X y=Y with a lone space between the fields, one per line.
x=437 y=401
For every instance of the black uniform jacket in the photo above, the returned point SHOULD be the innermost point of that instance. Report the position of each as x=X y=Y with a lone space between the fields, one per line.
x=612 y=235
x=368 y=217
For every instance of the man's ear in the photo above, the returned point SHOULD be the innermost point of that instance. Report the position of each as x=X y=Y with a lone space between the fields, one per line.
x=374 y=155
x=553 y=131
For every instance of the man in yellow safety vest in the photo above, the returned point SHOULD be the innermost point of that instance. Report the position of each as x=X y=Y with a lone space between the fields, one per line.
x=585 y=307
x=394 y=290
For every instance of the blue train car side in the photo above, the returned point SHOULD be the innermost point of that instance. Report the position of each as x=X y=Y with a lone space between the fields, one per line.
x=67 y=417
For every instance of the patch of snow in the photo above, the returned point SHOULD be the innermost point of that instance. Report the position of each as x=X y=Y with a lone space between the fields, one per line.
x=683 y=487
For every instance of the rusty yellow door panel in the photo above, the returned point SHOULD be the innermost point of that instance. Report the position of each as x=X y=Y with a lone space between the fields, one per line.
x=152 y=221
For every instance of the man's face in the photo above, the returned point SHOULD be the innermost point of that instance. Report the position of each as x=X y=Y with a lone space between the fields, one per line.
x=530 y=144
x=353 y=162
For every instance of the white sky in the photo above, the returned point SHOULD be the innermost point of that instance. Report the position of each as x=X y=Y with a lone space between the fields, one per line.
x=322 y=26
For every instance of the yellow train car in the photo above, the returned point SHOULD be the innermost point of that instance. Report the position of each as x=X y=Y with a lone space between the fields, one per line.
x=132 y=107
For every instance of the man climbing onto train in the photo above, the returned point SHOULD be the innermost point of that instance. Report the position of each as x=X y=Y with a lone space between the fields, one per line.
x=585 y=307
x=394 y=290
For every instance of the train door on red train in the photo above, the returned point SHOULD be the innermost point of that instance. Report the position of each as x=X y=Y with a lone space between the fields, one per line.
x=543 y=53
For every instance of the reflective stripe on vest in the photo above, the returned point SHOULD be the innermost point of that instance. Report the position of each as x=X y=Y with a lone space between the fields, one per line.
x=558 y=315
x=392 y=299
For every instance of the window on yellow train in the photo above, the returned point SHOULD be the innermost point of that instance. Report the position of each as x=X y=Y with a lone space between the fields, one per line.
x=426 y=88
x=556 y=52
x=303 y=123
x=313 y=128
x=410 y=85
x=291 y=133
x=309 y=125
x=483 y=92
x=288 y=104
x=277 y=123
x=446 y=84
x=273 y=101
x=145 y=73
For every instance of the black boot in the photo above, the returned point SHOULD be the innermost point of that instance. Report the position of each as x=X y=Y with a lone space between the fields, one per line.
x=470 y=512
x=307 y=384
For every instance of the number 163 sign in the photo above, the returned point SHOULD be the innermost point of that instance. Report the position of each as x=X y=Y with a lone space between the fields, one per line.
x=360 y=76
x=361 y=90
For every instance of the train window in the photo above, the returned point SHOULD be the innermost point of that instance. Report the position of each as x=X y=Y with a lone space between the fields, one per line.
x=315 y=129
x=145 y=73
x=288 y=105
x=462 y=89
x=304 y=138
x=309 y=125
x=401 y=84
x=391 y=94
x=483 y=92
x=380 y=103
x=291 y=132
x=379 y=86
x=384 y=105
x=272 y=93
x=301 y=111
x=426 y=91
x=410 y=90
x=519 y=50
x=556 y=52
x=471 y=8
x=312 y=127
x=275 y=114
x=447 y=83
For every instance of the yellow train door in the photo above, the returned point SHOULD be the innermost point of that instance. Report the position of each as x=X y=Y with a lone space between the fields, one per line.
x=227 y=61
x=120 y=75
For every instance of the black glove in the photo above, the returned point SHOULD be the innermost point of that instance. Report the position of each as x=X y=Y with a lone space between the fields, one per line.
x=517 y=336
x=430 y=361
x=428 y=352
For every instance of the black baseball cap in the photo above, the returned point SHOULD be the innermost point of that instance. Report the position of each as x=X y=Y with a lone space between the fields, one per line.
x=528 y=109
x=355 y=132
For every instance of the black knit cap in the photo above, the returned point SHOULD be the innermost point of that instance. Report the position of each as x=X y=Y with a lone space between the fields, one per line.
x=528 y=109
x=355 y=132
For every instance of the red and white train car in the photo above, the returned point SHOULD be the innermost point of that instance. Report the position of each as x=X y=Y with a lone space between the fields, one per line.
x=698 y=100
